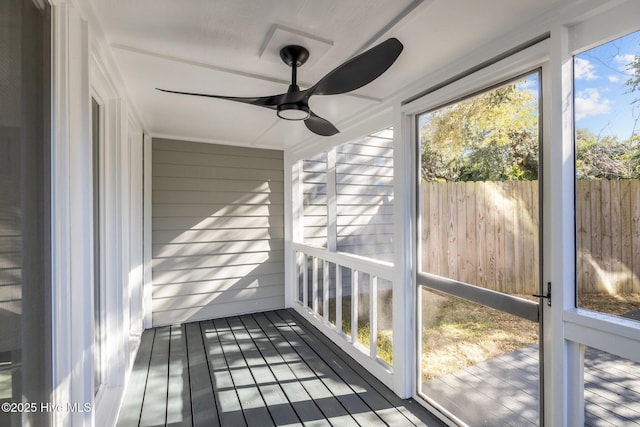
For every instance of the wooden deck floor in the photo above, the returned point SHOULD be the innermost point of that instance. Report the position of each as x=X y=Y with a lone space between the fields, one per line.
x=499 y=392
x=256 y=370
x=504 y=391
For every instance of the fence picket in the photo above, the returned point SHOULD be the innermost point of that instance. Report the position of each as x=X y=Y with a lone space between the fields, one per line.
x=634 y=191
x=486 y=233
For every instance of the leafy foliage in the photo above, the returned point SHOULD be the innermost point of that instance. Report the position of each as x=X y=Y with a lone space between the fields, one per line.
x=492 y=136
x=606 y=157
x=634 y=80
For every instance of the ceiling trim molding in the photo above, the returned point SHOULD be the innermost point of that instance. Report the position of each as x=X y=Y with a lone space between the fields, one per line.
x=227 y=70
x=246 y=144
x=481 y=66
x=276 y=27
x=256 y=142
x=197 y=63
x=392 y=23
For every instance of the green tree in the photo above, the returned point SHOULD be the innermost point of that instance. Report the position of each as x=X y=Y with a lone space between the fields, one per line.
x=606 y=157
x=492 y=136
x=634 y=80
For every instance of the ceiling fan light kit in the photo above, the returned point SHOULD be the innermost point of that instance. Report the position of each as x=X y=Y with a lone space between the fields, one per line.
x=351 y=75
x=293 y=112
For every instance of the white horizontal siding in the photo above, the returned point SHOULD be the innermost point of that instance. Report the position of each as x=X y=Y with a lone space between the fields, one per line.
x=223 y=260
x=217 y=285
x=218 y=231
x=213 y=236
x=215 y=197
x=364 y=198
x=211 y=311
x=215 y=210
x=209 y=248
x=314 y=200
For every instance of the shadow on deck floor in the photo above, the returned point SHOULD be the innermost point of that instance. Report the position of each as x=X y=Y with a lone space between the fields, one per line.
x=263 y=369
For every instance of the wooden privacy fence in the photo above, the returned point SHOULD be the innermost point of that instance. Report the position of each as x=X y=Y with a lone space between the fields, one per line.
x=608 y=235
x=486 y=233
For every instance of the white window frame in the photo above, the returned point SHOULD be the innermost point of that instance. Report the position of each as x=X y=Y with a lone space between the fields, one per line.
x=114 y=236
x=101 y=274
x=82 y=71
x=70 y=202
x=582 y=328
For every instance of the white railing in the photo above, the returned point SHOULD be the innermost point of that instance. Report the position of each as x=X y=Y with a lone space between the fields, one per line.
x=313 y=262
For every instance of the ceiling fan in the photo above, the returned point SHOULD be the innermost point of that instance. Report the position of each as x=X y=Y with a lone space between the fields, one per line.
x=351 y=75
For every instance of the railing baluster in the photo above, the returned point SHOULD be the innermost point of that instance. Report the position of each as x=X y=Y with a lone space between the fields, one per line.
x=325 y=291
x=373 y=315
x=344 y=263
x=354 y=306
x=338 y=297
x=314 y=289
x=305 y=283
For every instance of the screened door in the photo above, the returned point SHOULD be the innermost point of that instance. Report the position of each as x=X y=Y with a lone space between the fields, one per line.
x=478 y=250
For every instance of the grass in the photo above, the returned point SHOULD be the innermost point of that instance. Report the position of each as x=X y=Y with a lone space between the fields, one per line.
x=457 y=334
x=617 y=305
x=384 y=348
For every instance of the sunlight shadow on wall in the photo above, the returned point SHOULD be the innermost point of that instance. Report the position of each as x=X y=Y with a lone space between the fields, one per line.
x=218 y=231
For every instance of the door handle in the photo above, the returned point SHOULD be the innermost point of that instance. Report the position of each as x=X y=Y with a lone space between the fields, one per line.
x=547 y=296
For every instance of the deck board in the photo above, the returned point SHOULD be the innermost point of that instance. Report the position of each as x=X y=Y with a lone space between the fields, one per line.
x=328 y=404
x=229 y=408
x=279 y=407
x=256 y=370
x=178 y=393
x=134 y=396
x=203 y=397
x=251 y=401
x=347 y=397
x=380 y=399
x=369 y=397
x=504 y=390
x=304 y=406
x=154 y=406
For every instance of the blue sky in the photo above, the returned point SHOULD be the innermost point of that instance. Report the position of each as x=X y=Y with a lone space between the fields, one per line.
x=603 y=103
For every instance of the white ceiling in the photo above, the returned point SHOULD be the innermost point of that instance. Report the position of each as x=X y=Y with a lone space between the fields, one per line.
x=230 y=47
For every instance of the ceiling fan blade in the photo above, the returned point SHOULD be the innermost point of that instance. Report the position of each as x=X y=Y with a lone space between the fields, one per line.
x=261 y=101
x=359 y=70
x=320 y=126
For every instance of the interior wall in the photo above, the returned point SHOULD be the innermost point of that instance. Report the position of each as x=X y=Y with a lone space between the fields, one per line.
x=217 y=231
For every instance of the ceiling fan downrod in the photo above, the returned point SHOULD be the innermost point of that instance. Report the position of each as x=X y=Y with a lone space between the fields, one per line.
x=294 y=109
